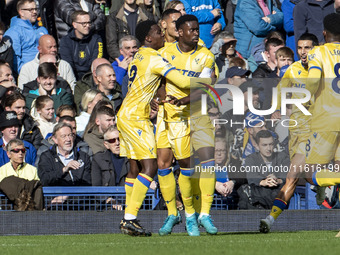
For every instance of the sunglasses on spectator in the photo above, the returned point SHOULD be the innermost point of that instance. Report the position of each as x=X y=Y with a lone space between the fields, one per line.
x=30 y=9
x=113 y=140
x=18 y=150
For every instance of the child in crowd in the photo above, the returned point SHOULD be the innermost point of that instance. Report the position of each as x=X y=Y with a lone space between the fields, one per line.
x=43 y=113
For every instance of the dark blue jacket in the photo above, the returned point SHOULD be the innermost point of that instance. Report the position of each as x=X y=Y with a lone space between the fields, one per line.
x=308 y=17
x=249 y=27
x=31 y=153
x=80 y=53
x=120 y=72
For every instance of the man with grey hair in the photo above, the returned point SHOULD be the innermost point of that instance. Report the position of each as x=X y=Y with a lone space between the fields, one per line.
x=107 y=84
x=128 y=46
x=47 y=47
x=64 y=165
x=88 y=81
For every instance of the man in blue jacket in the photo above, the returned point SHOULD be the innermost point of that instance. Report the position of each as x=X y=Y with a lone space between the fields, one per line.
x=80 y=47
x=209 y=15
x=24 y=33
x=9 y=127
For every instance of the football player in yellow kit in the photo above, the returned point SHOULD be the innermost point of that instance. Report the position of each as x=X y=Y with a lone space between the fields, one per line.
x=133 y=122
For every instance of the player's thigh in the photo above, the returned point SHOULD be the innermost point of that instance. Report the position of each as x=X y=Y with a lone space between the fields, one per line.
x=179 y=139
x=202 y=133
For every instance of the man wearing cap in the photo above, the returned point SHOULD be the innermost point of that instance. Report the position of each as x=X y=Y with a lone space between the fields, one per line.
x=271 y=172
x=9 y=127
x=235 y=76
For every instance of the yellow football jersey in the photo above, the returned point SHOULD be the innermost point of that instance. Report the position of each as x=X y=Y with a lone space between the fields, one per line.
x=145 y=73
x=190 y=64
x=295 y=76
x=326 y=108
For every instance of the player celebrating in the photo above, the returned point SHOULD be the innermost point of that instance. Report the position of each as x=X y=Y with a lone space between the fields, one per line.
x=323 y=143
x=185 y=130
x=136 y=131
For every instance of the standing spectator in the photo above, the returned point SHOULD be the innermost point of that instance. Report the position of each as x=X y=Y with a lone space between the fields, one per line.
x=116 y=5
x=88 y=81
x=128 y=46
x=24 y=33
x=47 y=46
x=108 y=168
x=28 y=130
x=337 y=6
x=63 y=164
x=308 y=17
x=107 y=85
x=150 y=6
x=80 y=46
x=63 y=10
x=47 y=78
x=94 y=136
x=288 y=24
x=210 y=18
x=177 y=5
x=9 y=127
x=7 y=83
x=6 y=49
x=254 y=19
x=88 y=102
x=123 y=22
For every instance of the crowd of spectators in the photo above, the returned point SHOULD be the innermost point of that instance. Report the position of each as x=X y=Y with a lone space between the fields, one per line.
x=64 y=74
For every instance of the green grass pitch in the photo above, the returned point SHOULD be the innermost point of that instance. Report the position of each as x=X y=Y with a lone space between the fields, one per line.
x=305 y=242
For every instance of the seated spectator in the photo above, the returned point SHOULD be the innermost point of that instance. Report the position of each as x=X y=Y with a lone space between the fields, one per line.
x=103 y=119
x=65 y=110
x=79 y=143
x=24 y=33
x=89 y=100
x=88 y=81
x=123 y=22
x=128 y=46
x=17 y=166
x=63 y=164
x=81 y=46
x=47 y=46
x=235 y=76
x=19 y=180
x=108 y=168
x=63 y=10
x=28 y=130
x=43 y=113
x=266 y=182
x=258 y=55
x=47 y=78
x=9 y=127
x=224 y=50
x=6 y=49
x=107 y=85
x=7 y=82
x=60 y=83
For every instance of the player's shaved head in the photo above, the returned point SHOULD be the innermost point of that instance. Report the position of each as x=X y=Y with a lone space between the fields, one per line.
x=166 y=14
x=331 y=27
x=185 y=18
x=143 y=29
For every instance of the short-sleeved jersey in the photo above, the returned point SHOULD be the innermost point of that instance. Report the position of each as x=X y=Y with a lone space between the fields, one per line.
x=145 y=73
x=295 y=76
x=190 y=64
x=326 y=108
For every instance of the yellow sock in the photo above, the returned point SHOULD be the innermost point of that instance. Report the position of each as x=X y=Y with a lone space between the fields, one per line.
x=326 y=178
x=140 y=187
x=196 y=193
x=128 y=189
x=278 y=206
x=186 y=190
x=207 y=185
x=167 y=184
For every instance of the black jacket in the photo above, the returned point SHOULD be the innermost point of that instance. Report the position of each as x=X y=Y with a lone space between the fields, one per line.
x=117 y=27
x=33 y=85
x=63 y=10
x=103 y=172
x=31 y=131
x=80 y=53
x=50 y=170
